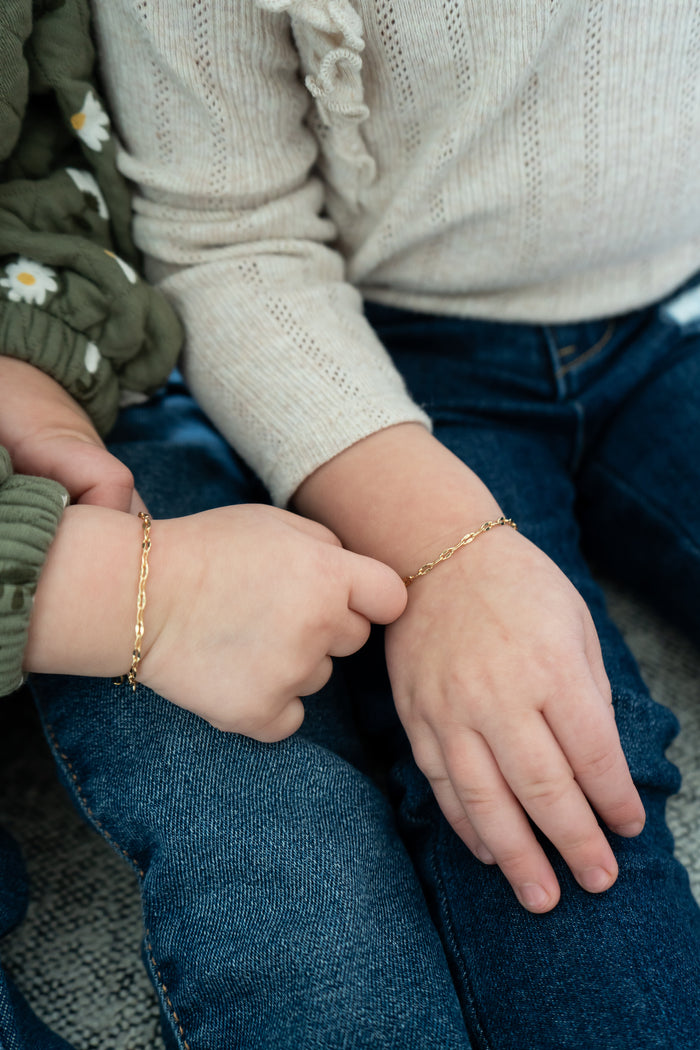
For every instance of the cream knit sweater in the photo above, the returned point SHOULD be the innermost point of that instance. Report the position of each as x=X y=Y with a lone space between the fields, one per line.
x=531 y=160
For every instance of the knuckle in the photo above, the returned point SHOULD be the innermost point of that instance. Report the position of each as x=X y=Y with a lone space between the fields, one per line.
x=513 y=859
x=622 y=810
x=363 y=631
x=597 y=764
x=461 y=823
x=257 y=725
x=583 y=844
x=121 y=475
x=430 y=764
x=478 y=800
x=547 y=792
x=225 y=725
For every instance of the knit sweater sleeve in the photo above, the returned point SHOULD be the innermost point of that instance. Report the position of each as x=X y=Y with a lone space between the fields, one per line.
x=213 y=111
x=30 y=510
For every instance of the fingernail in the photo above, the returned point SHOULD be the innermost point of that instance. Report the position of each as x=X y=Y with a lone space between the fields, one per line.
x=485 y=855
x=595 y=880
x=533 y=896
x=628 y=831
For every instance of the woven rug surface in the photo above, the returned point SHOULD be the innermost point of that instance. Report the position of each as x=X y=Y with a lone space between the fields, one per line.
x=76 y=956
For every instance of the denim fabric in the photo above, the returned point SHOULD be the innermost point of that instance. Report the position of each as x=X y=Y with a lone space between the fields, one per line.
x=281 y=908
x=597 y=424
x=309 y=893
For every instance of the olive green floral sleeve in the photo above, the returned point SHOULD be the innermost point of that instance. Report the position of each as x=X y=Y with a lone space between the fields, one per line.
x=30 y=510
x=71 y=298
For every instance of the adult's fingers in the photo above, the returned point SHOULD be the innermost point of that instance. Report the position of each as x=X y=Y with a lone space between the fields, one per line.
x=95 y=477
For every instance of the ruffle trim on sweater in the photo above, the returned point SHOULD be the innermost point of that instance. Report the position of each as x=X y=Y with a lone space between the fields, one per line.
x=328 y=36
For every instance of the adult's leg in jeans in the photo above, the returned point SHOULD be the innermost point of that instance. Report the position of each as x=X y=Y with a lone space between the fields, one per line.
x=280 y=905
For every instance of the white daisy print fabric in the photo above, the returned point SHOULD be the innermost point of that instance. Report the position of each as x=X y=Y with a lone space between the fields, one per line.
x=28 y=281
x=128 y=271
x=86 y=183
x=92 y=358
x=91 y=123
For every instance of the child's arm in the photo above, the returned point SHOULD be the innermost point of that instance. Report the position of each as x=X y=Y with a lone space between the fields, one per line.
x=495 y=666
x=245 y=607
x=280 y=357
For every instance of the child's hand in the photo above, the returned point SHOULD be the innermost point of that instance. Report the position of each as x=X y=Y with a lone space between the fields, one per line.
x=499 y=681
x=495 y=665
x=246 y=607
x=47 y=433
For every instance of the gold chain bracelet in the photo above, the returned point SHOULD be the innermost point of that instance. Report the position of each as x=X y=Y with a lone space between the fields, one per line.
x=130 y=676
x=449 y=551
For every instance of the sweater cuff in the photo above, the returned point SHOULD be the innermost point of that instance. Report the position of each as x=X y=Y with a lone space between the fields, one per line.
x=30 y=510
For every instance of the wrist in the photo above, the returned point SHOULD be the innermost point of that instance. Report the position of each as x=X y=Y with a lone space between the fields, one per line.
x=399 y=496
x=84 y=610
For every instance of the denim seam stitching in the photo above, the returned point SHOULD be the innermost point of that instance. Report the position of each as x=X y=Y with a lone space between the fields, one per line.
x=590 y=353
x=101 y=830
x=456 y=948
x=164 y=989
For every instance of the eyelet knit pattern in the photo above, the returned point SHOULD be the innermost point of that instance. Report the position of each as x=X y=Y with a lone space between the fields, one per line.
x=530 y=162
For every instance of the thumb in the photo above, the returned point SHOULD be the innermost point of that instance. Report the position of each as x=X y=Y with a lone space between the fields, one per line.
x=95 y=477
x=137 y=504
x=376 y=591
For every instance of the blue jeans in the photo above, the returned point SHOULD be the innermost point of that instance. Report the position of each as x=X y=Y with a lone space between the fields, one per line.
x=308 y=893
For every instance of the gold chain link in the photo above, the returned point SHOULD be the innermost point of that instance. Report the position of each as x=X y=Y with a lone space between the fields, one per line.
x=449 y=551
x=130 y=676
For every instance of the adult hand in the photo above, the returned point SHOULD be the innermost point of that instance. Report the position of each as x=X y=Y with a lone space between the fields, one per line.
x=47 y=433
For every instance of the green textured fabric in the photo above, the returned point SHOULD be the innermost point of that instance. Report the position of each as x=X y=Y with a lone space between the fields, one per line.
x=71 y=300
x=30 y=510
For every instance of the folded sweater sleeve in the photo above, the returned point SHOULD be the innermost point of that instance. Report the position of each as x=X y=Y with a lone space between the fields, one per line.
x=30 y=510
x=212 y=108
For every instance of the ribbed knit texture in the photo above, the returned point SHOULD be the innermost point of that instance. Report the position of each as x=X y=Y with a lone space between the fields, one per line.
x=30 y=510
x=531 y=162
